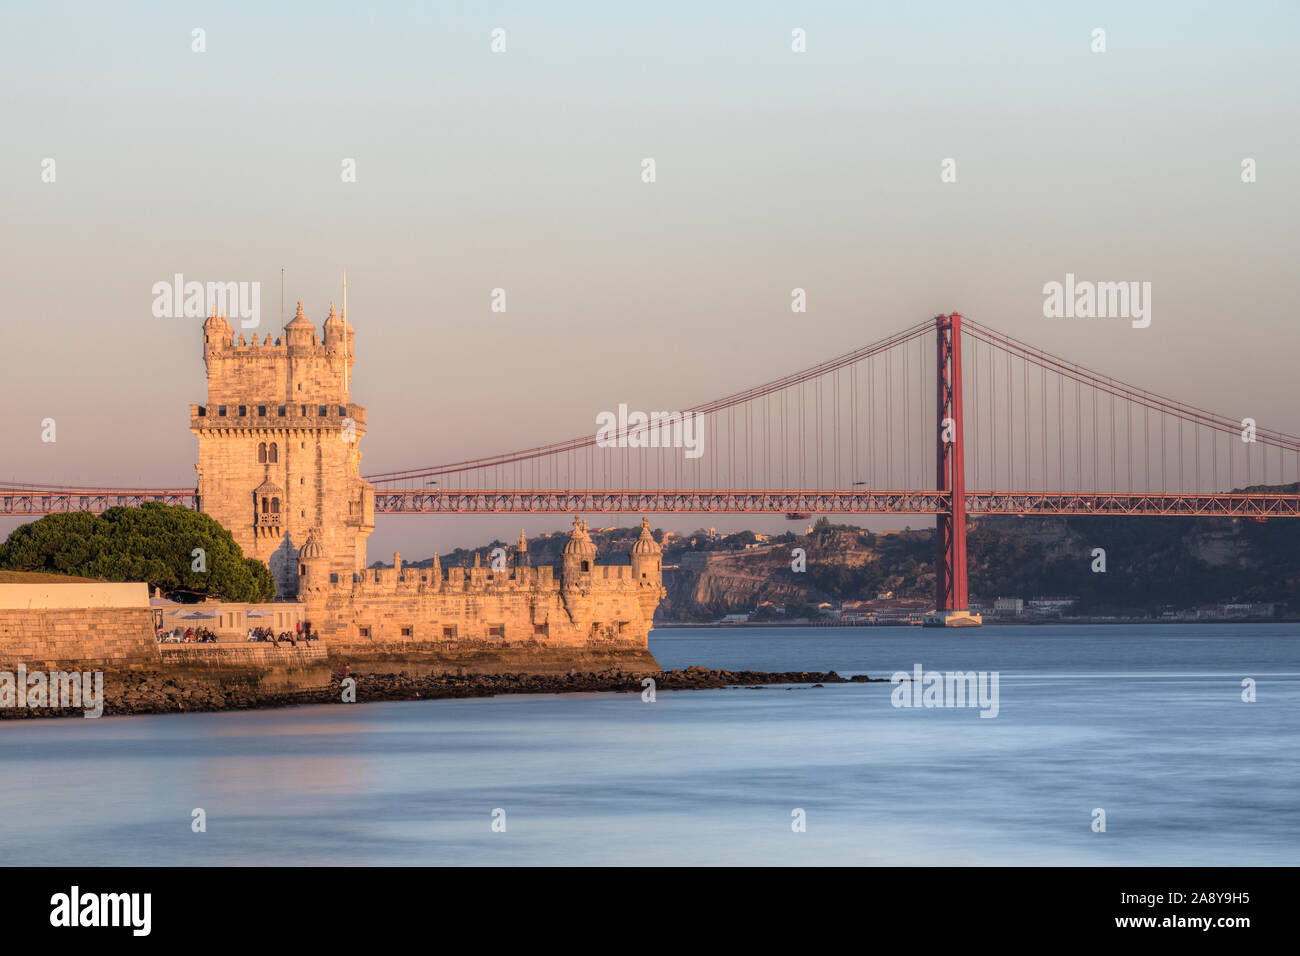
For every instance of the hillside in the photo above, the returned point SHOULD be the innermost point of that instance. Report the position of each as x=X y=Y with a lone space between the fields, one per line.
x=1152 y=564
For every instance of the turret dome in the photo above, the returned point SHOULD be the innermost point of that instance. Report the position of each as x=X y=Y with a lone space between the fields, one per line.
x=580 y=542
x=300 y=320
x=646 y=544
x=311 y=548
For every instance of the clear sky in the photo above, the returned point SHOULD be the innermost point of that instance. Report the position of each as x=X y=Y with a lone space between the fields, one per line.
x=521 y=170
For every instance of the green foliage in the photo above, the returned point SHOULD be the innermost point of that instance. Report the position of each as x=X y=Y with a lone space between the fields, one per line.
x=1150 y=563
x=153 y=543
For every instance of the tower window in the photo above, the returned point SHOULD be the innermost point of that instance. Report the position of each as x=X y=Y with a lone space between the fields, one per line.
x=202 y=411
x=334 y=578
x=261 y=453
x=586 y=566
x=275 y=506
x=221 y=411
x=264 y=506
x=302 y=409
x=324 y=410
x=343 y=411
x=282 y=410
x=272 y=453
x=261 y=411
x=243 y=411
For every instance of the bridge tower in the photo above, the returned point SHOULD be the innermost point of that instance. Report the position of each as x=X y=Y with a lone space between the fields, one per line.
x=279 y=456
x=952 y=607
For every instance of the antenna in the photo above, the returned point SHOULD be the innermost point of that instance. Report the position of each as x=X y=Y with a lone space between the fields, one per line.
x=346 y=377
x=281 y=298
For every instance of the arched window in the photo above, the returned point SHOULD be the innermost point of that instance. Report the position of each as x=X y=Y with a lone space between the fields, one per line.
x=275 y=506
x=264 y=506
x=261 y=453
x=272 y=453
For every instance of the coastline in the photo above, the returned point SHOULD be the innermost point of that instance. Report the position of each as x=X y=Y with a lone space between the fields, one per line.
x=159 y=692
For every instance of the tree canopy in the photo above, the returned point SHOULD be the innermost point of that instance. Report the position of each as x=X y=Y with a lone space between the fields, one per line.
x=154 y=543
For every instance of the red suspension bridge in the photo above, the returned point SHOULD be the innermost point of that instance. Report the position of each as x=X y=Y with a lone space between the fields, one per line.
x=947 y=418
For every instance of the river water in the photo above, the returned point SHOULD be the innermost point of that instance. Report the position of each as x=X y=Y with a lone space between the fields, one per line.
x=1144 y=722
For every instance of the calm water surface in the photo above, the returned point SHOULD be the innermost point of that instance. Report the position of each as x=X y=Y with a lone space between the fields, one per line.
x=1145 y=722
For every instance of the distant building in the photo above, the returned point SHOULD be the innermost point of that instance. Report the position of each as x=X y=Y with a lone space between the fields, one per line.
x=1011 y=606
x=1051 y=605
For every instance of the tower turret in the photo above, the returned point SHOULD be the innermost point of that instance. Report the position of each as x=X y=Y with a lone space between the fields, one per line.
x=647 y=570
x=300 y=333
x=217 y=333
x=578 y=557
x=312 y=567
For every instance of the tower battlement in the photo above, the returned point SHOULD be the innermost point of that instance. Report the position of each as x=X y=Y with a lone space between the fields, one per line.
x=586 y=605
x=297 y=367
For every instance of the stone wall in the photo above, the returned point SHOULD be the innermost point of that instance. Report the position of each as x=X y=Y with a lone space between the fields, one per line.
x=481 y=657
x=76 y=626
x=523 y=604
x=249 y=655
x=262 y=665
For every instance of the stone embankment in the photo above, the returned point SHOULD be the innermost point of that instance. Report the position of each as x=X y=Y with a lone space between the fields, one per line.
x=162 y=692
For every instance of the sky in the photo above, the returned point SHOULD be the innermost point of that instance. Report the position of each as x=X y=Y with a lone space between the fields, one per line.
x=521 y=170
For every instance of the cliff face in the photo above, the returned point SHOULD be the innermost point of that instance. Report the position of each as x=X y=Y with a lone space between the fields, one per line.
x=731 y=580
x=832 y=564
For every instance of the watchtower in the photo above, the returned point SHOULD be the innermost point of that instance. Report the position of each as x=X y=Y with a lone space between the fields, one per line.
x=279 y=446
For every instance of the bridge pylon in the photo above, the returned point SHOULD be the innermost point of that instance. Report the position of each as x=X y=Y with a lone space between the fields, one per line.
x=951 y=604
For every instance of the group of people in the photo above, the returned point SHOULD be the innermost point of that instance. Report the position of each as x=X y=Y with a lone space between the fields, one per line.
x=190 y=635
x=266 y=634
x=202 y=635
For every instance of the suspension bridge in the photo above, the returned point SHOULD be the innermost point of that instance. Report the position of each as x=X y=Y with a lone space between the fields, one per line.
x=947 y=418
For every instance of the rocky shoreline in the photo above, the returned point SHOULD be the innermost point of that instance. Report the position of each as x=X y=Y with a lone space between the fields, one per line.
x=158 y=692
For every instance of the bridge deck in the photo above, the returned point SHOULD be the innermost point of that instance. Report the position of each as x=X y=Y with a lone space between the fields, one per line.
x=35 y=503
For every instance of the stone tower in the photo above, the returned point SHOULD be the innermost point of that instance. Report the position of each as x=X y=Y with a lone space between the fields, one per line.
x=279 y=447
x=648 y=570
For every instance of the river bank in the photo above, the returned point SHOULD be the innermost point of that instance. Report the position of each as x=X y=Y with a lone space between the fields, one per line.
x=157 y=692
